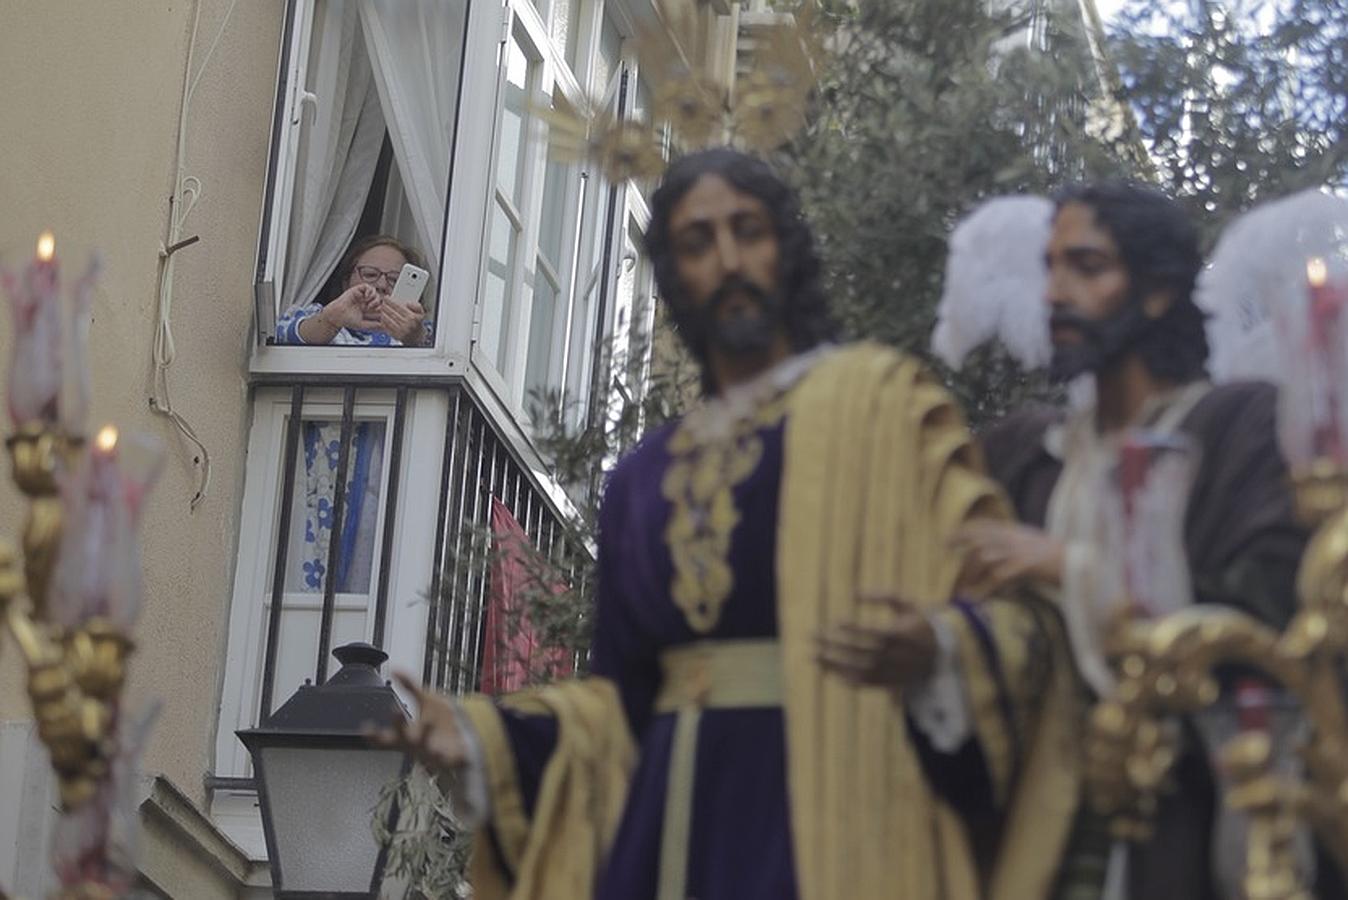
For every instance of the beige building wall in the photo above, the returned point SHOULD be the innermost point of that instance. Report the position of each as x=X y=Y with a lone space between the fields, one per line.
x=90 y=95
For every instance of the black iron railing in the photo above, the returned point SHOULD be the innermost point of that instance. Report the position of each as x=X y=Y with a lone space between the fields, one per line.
x=477 y=463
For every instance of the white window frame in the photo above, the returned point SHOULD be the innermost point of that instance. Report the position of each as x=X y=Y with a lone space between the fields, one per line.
x=572 y=346
x=448 y=353
x=563 y=276
x=520 y=21
x=279 y=191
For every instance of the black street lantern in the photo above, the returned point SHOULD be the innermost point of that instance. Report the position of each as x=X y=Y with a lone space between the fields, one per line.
x=318 y=780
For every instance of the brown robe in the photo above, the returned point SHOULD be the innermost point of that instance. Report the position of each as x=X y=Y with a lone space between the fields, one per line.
x=1243 y=539
x=1244 y=544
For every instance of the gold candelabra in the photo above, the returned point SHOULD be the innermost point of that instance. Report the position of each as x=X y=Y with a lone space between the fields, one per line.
x=75 y=676
x=1165 y=668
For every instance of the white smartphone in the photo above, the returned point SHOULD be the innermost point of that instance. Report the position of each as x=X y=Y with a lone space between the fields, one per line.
x=411 y=282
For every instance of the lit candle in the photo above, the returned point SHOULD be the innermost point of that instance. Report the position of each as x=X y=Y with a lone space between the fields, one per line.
x=46 y=248
x=98 y=569
x=48 y=370
x=1325 y=308
x=92 y=532
x=35 y=360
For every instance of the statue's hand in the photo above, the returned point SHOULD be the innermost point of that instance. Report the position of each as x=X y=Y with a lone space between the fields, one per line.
x=434 y=738
x=1002 y=553
x=893 y=654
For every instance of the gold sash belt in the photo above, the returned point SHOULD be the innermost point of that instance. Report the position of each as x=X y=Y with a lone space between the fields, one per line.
x=706 y=675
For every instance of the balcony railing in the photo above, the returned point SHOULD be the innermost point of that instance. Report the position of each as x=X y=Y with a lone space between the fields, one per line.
x=478 y=463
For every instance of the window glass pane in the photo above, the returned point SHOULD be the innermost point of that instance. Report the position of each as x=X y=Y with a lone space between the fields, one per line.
x=552 y=227
x=581 y=354
x=610 y=54
x=642 y=306
x=583 y=306
x=623 y=297
x=643 y=103
x=500 y=266
x=542 y=327
x=312 y=517
x=701 y=33
x=553 y=232
x=297 y=639
x=566 y=27
x=510 y=159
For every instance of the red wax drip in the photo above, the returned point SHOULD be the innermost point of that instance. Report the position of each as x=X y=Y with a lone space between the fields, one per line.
x=1325 y=309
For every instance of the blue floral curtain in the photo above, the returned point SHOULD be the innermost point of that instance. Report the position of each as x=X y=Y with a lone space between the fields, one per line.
x=313 y=513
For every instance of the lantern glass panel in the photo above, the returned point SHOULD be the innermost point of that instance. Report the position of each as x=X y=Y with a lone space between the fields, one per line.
x=321 y=804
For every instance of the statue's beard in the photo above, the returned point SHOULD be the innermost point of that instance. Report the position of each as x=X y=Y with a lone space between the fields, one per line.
x=750 y=330
x=1102 y=343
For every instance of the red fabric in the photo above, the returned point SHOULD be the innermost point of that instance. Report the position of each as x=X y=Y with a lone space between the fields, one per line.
x=512 y=652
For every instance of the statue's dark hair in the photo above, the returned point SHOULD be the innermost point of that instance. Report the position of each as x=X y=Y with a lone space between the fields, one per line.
x=805 y=310
x=1160 y=248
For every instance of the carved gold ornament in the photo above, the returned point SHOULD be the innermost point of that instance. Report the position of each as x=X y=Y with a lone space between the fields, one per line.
x=706 y=466
x=622 y=149
x=766 y=109
x=1166 y=669
x=693 y=108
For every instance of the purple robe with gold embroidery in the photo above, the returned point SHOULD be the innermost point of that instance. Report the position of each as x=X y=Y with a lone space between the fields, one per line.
x=740 y=837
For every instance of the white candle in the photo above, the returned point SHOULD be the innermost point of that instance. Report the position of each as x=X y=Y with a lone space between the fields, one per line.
x=97 y=570
x=34 y=389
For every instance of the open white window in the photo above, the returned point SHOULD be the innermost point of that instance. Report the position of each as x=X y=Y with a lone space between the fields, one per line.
x=554 y=272
x=513 y=215
x=554 y=230
x=362 y=140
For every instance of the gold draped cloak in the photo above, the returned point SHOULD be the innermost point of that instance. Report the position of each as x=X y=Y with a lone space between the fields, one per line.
x=879 y=471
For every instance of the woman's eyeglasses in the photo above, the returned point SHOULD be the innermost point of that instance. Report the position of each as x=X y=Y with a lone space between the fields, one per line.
x=372 y=275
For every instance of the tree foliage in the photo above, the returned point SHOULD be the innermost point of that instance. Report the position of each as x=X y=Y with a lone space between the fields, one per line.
x=1238 y=102
x=427 y=850
x=927 y=108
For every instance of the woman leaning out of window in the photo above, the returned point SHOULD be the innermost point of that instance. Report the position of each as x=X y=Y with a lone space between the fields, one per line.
x=362 y=312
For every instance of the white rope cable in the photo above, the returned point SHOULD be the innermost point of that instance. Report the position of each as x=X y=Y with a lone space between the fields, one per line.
x=186 y=192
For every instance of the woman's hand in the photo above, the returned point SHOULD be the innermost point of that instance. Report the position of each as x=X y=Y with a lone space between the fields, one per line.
x=897 y=653
x=434 y=738
x=356 y=307
x=1002 y=553
x=403 y=321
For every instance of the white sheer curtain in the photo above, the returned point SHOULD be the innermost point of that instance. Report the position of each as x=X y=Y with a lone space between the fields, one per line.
x=415 y=47
x=338 y=151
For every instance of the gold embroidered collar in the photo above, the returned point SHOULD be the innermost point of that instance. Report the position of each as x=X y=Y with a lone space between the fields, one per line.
x=713 y=450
